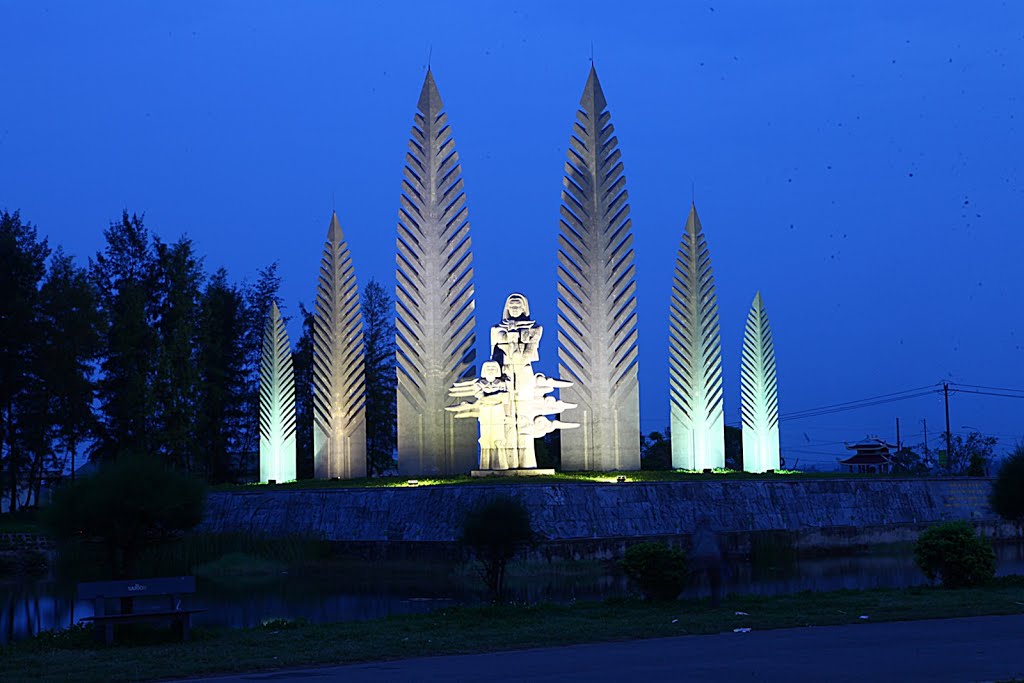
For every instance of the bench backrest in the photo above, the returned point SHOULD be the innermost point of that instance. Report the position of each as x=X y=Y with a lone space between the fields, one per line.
x=174 y=585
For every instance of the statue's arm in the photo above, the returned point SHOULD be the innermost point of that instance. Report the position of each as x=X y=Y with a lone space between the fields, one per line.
x=533 y=347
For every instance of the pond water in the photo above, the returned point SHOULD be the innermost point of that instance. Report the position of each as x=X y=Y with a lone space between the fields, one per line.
x=354 y=591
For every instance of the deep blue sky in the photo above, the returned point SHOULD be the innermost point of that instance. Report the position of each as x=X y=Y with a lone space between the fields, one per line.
x=858 y=162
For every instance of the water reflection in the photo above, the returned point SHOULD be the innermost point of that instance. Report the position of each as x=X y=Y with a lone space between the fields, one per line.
x=373 y=592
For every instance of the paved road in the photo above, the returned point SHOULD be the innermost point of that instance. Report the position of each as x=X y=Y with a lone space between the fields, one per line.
x=972 y=649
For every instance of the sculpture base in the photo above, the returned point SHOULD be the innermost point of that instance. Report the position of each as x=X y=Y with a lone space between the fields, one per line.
x=534 y=472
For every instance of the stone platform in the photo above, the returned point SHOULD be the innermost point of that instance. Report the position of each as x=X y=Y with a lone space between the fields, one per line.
x=593 y=519
x=513 y=473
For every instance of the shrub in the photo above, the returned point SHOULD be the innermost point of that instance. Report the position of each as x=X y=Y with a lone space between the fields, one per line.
x=656 y=451
x=953 y=553
x=128 y=504
x=1008 y=490
x=494 y=533
x=658 y=570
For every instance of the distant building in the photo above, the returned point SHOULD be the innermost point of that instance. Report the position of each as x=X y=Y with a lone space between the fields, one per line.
x=871 y=456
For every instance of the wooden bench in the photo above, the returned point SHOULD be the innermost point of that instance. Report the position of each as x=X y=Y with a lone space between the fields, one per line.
x=121 y=596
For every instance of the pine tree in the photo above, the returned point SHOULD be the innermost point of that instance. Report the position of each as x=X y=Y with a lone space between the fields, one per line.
x=175 y=298
x=220 y=365
x=22 y=267
x=71 y=325
x=381 y=380
x=304 y=397
x=123 y=276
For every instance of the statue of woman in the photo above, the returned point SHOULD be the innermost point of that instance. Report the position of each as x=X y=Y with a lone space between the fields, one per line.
x=514 y=344
x=489 y=407
x=492 y=399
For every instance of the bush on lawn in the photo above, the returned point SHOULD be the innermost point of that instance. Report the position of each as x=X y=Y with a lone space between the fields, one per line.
x=954 y=554
x=658 y=570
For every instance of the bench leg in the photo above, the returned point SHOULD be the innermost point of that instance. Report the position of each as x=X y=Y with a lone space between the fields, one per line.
x=182 y=625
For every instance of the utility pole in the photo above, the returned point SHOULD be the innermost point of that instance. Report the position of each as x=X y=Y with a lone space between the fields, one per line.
x=949 y=438
x=898 y=449
x=924 y=423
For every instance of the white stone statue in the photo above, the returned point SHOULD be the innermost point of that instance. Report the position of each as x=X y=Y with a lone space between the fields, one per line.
x=511 y=400
x=491 y=397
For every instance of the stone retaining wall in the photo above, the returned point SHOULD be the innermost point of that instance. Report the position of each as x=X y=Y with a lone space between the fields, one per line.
x=820 y=513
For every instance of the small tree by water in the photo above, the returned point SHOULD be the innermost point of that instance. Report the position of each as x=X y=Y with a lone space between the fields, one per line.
x=129 y=504
x=1008 y=490
x=494 y=533
x=954 y=554
x=657 y=569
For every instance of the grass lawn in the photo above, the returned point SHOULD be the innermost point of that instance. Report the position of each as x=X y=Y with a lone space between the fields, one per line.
x=71 y=656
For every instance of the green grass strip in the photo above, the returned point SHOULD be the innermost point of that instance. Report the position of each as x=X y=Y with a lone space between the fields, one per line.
x=71 y=656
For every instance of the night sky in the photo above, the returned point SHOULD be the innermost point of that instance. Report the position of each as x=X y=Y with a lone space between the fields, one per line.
x=859 y=163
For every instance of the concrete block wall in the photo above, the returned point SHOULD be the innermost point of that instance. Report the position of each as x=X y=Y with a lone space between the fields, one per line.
x=579 y=511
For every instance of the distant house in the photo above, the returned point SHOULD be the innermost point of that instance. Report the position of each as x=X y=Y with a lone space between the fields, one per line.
x=871 y=456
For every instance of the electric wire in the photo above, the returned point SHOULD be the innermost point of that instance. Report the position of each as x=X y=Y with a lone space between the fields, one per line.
x=981 y=386
x=931 y=387
x=861 y=403
x=988 y=393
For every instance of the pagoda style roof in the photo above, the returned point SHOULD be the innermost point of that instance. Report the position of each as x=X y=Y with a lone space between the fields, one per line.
x=877 y=458
x=871 y=443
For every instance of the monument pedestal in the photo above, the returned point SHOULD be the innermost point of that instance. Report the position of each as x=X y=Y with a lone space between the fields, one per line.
x=532 y=472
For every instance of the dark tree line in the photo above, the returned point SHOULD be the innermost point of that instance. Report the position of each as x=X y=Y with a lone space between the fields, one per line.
x=143 y=352
x=971 y=456
x=656 y=449
x=48 y=343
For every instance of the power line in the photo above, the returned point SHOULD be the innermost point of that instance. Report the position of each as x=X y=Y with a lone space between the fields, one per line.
x=806 y=451
x=870 y=398
x=893 y=397
x=855 y=405
x=987 y=393
x=980 y=386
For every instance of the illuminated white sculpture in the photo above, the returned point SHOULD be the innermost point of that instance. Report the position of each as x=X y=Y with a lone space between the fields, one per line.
x=277 y=402
x=760 y=401
x=511 y=400
x=597 y=335
x=695 y=357
x=434 y=299
x=339 y=385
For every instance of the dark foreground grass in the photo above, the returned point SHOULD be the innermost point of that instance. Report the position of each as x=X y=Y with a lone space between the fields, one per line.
x=481 y=629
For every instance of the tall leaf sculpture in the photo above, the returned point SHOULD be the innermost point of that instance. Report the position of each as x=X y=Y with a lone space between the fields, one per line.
x=597 y=335
x=339 y=386
x=695 y=357
x=434 y=299
x=277 y=402
x=759 y=393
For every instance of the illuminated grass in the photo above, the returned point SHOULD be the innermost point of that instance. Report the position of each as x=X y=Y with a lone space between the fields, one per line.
x=482 y=629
